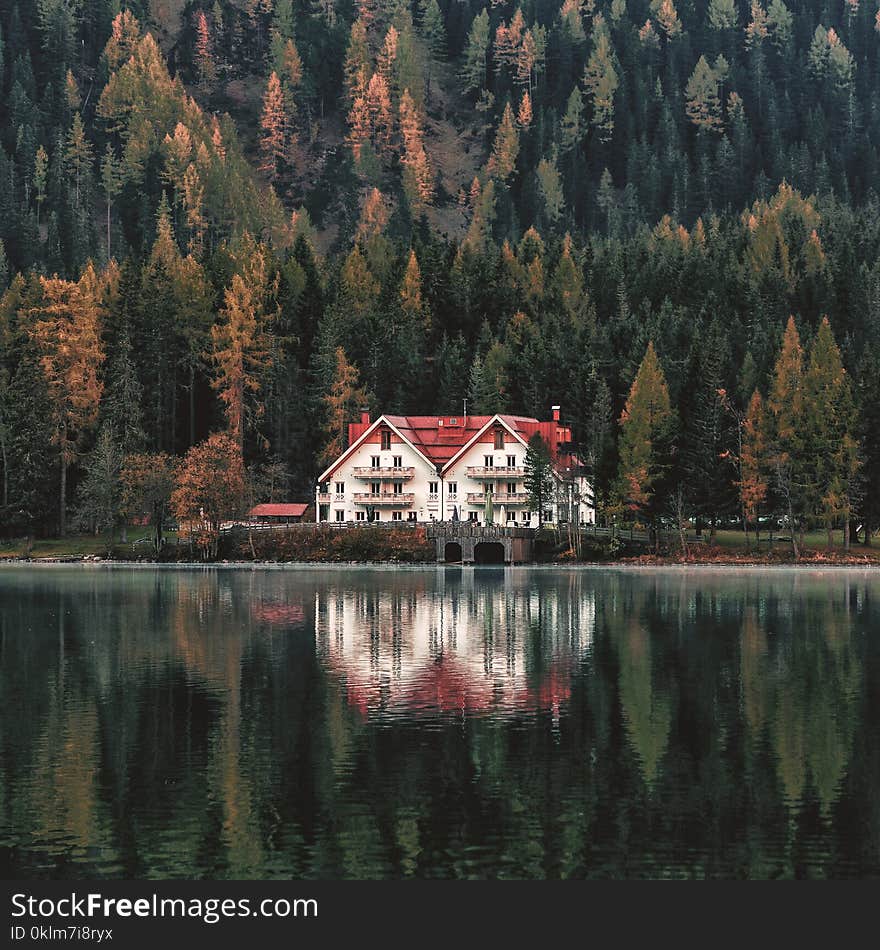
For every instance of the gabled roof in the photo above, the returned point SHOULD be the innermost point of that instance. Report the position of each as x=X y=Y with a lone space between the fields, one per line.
x=508 y=422
x=440 y=440
x=390 y=421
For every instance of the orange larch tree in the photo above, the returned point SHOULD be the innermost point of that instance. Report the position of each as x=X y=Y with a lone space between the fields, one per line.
x=417 y=178
x=66 y=326
x=274 y=129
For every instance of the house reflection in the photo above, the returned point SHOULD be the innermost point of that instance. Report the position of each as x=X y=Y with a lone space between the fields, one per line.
x=458 y=650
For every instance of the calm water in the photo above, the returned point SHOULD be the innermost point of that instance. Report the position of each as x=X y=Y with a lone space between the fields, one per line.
x=439 y=723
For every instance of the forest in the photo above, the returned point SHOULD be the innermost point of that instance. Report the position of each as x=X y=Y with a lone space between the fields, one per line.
x=227 y=226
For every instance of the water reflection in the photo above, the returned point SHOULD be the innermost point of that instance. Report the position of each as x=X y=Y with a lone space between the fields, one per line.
x=474 y=644
x=448 y=722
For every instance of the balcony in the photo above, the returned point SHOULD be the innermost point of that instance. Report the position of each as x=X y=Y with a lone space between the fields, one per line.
x=397 y=499
x=384 y=471
x=499 y=471
x=498 y=498
x=324 y=497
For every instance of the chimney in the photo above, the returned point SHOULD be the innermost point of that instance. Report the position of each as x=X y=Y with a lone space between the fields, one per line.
x=555 y=413
x=365 y=416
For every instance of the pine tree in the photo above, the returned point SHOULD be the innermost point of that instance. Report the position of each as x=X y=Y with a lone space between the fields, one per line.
x=789 y=450
x=601 y=82
x=121 y=407
x=111 y=182
x=243 y=347
x=722 y=14
x=65 y=326
x=99 y=498
x=538 y=480
x=342 y=403
x=78 y=156
x=502 y=161
x=204 y=54
x=473 y=70
x=667 y=17
x=273 y=128
x=703 y=105
x=550 y=185
x=831 y=423
x=41 y=166
x=643 y=426
x=417 y=177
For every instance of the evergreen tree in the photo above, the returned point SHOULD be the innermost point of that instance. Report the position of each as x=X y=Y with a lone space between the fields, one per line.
x=644 y=425
x=789 y=452
x=832 y=437
x=473 y=70
x=539 y=481
x=99 y=498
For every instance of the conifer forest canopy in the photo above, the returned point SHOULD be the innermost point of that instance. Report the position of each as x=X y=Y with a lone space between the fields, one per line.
x=227 y=225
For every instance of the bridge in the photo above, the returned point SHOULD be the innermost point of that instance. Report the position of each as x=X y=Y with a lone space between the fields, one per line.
x=465 y=542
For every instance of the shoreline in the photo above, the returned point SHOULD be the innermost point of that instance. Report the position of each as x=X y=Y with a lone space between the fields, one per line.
x=635 y=565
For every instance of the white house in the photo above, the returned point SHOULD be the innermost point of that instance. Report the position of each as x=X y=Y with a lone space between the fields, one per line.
x=440 y=468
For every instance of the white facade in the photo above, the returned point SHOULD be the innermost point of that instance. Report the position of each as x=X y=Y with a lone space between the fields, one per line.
x=384 y=477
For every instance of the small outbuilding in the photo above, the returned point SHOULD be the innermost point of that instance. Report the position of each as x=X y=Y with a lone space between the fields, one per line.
x=277 y=513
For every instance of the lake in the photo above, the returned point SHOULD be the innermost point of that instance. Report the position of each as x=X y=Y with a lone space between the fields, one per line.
x=439 y=722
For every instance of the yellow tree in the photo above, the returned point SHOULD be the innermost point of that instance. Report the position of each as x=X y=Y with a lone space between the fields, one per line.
x=502 y=161
x=243 y=348
x=66 y=326
x=345 y=399
x=417 y=178
x=789 y=452
x=273 y=128
x=642 y=425
x=601 y=82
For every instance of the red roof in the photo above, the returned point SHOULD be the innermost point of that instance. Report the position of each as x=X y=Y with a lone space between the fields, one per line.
x=278 y=511
x=439 y=438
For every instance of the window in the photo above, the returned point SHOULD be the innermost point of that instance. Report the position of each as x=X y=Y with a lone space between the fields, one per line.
x=398 y=488
x=499 y=438
x=511 y=461
x=340 y=516
x=340 y=488
x=453 y=489
x=397 y=516
x=323 y=513
x=386 y=440
x=511 y=516
x=453 y=421
x=432 y=489
x=526 y=516
x=472 y=516
x=548 y=514
x=375 y=488
x=360 y=516
x=511 y=488
x=324 y=488
x=488 y=461
x=410 y=516
x=377 y=516
x=374 y=461
x=398 y=461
